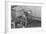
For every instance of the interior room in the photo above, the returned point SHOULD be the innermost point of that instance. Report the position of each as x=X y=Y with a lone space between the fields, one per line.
x=25 y=16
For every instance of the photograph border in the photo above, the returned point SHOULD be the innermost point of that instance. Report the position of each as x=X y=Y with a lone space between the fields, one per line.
x=6 y=3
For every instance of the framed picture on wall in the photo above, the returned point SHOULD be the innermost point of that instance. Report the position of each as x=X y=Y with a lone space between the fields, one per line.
x=23 y=16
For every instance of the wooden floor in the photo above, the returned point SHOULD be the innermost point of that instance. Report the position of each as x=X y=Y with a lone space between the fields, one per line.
x=36 y=23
